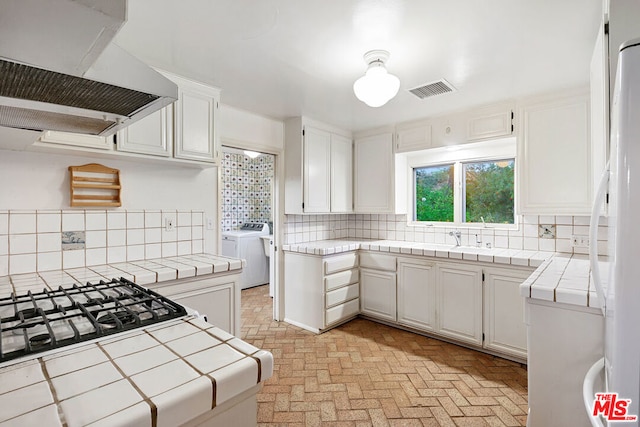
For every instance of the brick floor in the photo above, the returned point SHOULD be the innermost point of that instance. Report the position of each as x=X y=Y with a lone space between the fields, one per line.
x=366 y=374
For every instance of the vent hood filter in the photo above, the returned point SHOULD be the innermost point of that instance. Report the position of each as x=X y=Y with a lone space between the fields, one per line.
x=34 y=84
x=432 y=89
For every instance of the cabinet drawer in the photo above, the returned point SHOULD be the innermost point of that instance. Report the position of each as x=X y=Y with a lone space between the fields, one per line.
x=340 y=279
x=343 y=294
x=377 y=261
x=340 y=263
x=342 y=311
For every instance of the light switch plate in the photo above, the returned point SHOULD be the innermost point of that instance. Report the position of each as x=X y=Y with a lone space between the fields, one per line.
x=547 y=231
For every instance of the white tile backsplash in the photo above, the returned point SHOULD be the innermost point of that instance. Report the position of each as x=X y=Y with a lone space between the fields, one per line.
x=96 y=220
x=22 y=223
x=72 y=221
x=305 y=228
x=49 y=221
x=116 y=221
x=32 y=241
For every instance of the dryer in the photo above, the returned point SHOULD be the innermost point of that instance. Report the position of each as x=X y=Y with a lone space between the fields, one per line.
x=245 y=243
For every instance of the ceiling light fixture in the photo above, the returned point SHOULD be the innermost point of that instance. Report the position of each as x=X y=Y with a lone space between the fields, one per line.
x=377 y=86
x=251 y=154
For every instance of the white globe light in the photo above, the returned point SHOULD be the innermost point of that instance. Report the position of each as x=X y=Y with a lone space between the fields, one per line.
x=377 y=86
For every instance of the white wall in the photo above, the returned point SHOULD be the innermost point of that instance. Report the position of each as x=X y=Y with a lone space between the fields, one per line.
x=41 y=181
x=243 y=129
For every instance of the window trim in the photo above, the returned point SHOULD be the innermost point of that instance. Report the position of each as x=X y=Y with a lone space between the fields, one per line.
x=493 y=150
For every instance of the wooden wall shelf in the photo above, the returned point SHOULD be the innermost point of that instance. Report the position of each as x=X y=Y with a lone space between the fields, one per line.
x=95 y=185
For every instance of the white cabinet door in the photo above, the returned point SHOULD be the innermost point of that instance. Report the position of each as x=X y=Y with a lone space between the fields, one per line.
x=554 y=159
x=417 y=293
x=317 y=171
x=412 y=137
x=151 y=135
x=341 y=174
x=215 y=303
x=459 y=294
x=489 y=124
x=374 y=174
x=505 y=330
x=378 y=294
x=195 y=134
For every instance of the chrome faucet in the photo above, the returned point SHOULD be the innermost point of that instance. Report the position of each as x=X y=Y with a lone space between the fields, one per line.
x=478 y=241
x=457 y=234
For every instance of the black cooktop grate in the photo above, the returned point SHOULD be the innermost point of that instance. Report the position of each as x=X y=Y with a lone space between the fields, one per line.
x=36 y=322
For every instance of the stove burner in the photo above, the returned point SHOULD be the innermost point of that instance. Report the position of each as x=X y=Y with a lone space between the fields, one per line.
x=40 y=340
x=109 y=319
x=28 y=313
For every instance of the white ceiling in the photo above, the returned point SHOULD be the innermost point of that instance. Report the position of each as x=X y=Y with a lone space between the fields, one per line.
x=284 y=58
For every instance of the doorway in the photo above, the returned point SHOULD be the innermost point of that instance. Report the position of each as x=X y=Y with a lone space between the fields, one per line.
x=248 y=194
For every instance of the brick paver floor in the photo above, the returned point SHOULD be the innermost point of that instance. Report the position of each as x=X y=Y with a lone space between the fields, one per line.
x=366 y=374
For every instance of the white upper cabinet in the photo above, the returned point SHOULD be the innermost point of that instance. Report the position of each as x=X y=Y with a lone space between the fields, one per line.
x=318 y=168
x=413 y=136
x=490 y=123
x=341 y=174
x=375 y=184
x=317 y=171
x=196 y=116
x=151 y=135
x=554 y=156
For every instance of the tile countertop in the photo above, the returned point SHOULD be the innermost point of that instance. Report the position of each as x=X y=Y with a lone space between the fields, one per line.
x=140 y=272
x=562 y=278
x=498 y=256
x=565 y=278
x=165 y=374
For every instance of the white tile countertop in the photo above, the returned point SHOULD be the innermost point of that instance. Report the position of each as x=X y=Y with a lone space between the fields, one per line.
x=565 y=278
x=498 y=256
x=140 y=272
x=562 y=278
x=164 y=374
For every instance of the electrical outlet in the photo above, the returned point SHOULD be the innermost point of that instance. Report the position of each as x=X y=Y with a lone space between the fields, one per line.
x=168 y=224
x=209 y=223
x=580 y=241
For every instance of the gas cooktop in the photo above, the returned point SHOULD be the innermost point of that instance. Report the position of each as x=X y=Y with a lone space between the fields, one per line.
x=37 y=322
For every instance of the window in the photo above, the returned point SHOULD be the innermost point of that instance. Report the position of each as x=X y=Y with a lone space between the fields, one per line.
x=465 y=184
x=488 y=191
x=434 y=193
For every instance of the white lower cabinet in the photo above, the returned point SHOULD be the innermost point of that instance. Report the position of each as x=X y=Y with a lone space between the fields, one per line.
x=505 y=329
x=378 y=293
x=217 y=298
x=459 y=295
x=320 y=291
x=417 y=293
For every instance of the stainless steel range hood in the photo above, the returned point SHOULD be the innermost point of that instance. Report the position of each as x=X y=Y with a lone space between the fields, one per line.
x=60 y=71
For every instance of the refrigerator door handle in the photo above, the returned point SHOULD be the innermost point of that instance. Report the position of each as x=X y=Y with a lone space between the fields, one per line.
x=593 y=236
x=588 y=392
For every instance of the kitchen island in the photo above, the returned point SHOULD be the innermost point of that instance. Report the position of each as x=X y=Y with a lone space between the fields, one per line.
x=177 y=372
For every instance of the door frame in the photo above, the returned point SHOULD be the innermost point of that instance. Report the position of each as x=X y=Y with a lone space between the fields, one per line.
x=278 y=215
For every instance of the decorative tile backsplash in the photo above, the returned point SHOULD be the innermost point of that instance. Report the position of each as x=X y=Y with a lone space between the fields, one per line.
x=44 y=240
x=309 y=228
x=246 y=189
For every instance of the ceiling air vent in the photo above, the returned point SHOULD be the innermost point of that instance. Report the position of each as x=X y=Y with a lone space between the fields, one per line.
x=431 y=89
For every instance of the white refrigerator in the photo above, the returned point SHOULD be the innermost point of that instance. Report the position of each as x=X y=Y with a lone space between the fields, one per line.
x=620 y=297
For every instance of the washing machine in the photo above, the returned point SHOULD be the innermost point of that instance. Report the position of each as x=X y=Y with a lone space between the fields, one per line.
x=245 y=243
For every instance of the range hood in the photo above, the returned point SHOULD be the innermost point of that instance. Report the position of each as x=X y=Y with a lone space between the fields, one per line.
x=59 y=69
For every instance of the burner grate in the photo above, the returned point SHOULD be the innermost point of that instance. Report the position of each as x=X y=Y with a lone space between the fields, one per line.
x=36 y=322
